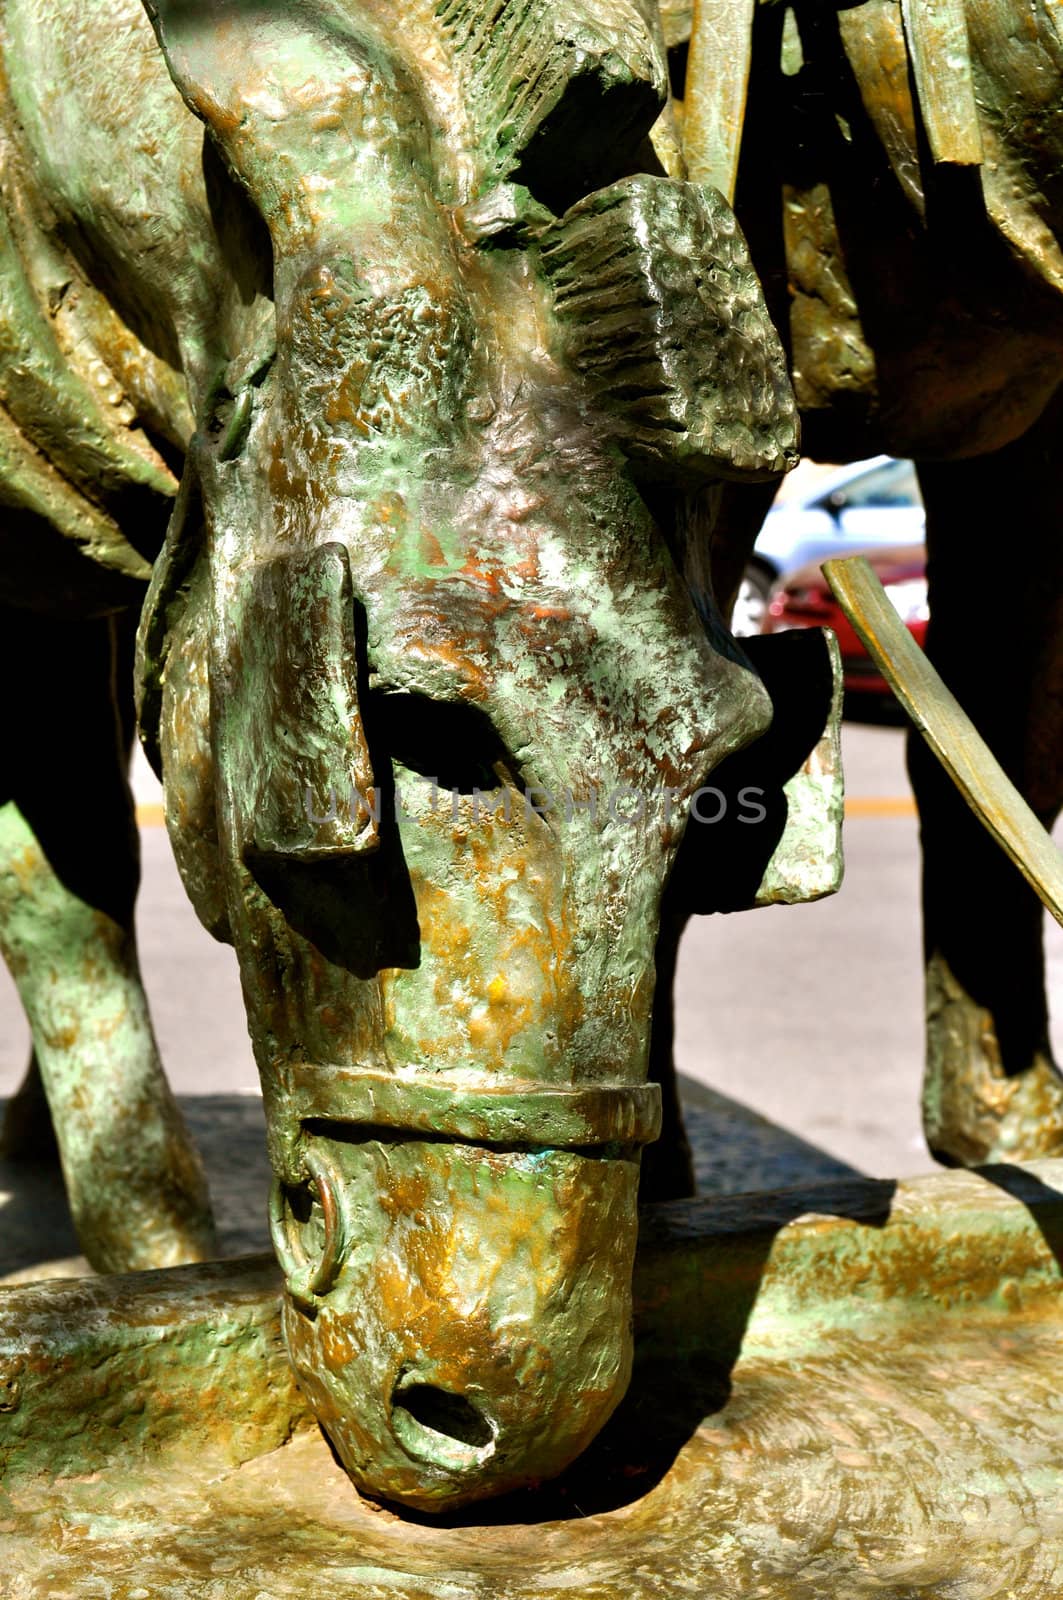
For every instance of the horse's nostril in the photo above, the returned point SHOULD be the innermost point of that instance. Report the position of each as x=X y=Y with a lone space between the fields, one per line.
x=440 y=1427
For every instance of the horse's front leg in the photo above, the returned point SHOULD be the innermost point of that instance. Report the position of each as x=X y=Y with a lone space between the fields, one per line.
x=992 y=1091
x=69 y=873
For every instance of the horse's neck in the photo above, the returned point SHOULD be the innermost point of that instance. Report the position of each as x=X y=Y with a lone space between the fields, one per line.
x=903 y=72
x=1007 y=132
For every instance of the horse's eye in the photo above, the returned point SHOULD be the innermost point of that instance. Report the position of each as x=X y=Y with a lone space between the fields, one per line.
x=449 y=741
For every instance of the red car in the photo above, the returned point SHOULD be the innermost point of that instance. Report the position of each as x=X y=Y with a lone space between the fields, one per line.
x=804 y=600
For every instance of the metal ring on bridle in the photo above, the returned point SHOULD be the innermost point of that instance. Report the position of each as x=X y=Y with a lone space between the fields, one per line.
x=308 y=1278
x=515 y=1112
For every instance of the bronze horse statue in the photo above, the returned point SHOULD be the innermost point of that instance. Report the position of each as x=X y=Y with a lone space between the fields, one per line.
x=897 y=168
x=443 y=353
x=386 y=346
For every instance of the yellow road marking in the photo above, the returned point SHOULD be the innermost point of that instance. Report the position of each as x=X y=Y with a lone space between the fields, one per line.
x=879 y=805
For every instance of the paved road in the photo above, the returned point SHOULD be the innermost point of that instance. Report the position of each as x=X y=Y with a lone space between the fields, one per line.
x=811 y=1014
x=798 y=1027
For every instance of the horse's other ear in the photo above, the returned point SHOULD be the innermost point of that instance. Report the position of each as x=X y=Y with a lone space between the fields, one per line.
x=300 y=99
x=559 y=93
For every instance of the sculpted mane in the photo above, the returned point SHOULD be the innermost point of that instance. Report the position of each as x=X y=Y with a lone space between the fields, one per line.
x=94 y=414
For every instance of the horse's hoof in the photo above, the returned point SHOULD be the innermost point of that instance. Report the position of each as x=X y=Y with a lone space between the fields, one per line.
x=974 y=1114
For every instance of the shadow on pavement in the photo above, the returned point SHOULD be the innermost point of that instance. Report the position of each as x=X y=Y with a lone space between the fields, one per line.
x=230 y=1133
x=736 y=1151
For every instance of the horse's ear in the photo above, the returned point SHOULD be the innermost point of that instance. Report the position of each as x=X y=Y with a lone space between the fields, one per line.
x=661 y=308
x=298 y=98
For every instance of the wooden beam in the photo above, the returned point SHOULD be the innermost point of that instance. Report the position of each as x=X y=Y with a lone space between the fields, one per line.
x=721 y=44
x=936 y=31
x=947 y=729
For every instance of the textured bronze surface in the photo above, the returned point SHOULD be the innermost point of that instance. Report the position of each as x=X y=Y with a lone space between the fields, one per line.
x=864 y=1441
x=720 y=51
x=941 y=65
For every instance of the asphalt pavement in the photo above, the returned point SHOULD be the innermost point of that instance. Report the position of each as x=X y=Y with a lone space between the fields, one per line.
x=799 y=1033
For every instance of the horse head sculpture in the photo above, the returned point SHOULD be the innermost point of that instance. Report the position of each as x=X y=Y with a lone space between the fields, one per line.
x=434 y=697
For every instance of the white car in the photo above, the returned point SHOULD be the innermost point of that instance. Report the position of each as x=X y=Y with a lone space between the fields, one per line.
x=871 y=503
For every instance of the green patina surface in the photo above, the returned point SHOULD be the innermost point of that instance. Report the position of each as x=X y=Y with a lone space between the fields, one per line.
x=450 y=371
x=429 y=421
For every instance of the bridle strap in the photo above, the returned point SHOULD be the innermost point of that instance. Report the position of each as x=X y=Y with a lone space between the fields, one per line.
x=538 y=1115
